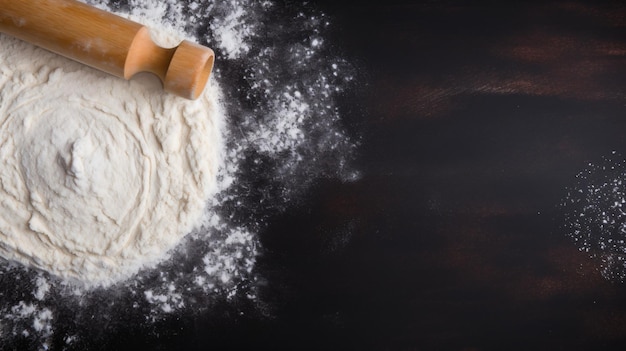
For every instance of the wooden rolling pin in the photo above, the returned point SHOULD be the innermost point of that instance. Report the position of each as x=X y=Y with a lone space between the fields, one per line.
x=106 y=42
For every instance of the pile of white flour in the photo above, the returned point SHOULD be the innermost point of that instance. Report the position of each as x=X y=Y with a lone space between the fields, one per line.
x=100 y=176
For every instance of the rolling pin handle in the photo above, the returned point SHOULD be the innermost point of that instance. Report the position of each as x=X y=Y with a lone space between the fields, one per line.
x=184 y=70
x=106 y=42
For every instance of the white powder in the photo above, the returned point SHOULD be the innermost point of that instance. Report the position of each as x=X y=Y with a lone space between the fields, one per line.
x=232 y=32
x=595 y=214
x=101 y=176
x=42 y=288
x=30 y=319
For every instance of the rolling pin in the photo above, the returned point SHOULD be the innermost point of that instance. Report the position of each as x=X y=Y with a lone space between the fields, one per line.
x=106 y=42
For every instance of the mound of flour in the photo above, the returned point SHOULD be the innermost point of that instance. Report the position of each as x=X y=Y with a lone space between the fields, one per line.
x=100 y=176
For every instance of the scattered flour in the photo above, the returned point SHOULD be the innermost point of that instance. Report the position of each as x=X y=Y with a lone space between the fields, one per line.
x=595 y=216
x=28 y=320
x=231 y=32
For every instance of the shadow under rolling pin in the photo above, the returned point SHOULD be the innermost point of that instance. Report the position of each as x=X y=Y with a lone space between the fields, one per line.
x=107 y=42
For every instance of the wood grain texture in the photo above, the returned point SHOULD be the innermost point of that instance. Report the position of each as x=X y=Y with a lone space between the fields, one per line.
x=106 y=42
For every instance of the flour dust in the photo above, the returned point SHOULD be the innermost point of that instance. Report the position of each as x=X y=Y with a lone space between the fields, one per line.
x=280 y=80
x=595 y=214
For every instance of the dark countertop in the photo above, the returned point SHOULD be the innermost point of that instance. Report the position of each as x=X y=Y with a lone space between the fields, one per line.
x=473 y=121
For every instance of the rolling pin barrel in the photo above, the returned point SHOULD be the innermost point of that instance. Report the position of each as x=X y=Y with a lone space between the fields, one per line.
x=106 y=42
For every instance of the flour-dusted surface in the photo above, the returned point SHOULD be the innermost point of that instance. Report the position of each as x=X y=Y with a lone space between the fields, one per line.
x=279 y=81
x=595 y=218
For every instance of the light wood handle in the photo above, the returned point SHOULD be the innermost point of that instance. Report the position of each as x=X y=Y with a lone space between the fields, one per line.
x=106 y=42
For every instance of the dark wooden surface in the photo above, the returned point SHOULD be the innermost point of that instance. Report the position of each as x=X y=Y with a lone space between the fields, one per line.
x=473 y=118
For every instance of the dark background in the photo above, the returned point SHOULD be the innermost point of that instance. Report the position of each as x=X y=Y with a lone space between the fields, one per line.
x=474 y=118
